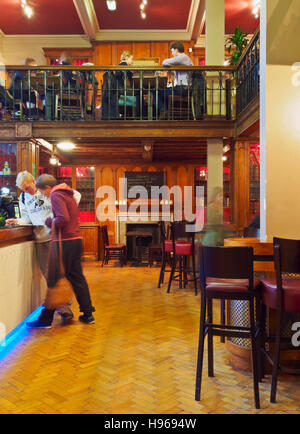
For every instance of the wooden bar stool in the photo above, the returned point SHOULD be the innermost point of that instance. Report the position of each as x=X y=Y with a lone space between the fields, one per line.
x=183 y=248
x=112 y=251
x=226 y=273
x=283 y=295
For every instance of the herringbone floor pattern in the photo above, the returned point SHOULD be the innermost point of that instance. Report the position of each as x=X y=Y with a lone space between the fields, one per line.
x=139 y=357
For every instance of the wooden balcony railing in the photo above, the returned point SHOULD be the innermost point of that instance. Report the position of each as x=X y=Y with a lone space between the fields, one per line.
x=247 y=75
x=110 y=93
x=117 y=93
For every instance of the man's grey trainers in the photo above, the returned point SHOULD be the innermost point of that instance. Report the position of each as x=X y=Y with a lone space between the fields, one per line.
x=87 y=319
x=38 y=325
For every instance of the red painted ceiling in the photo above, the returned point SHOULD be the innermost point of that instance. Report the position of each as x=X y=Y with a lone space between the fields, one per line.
x=161 y=14
x=60 y=16
x=51 y=17
x=239 y=12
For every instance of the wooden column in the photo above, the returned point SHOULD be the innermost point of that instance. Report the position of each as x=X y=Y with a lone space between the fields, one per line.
x=28 y=157
x=240 y=179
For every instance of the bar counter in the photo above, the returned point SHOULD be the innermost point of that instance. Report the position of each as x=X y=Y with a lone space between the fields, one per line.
x=22 y=287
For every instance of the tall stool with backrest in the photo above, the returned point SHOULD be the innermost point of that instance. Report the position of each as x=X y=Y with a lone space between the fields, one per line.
x=112 y=251
x=283 y=295
x=226 y=273
x=183 y=247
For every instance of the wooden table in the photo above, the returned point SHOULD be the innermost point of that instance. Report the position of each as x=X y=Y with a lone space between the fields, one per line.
x=237 y=312
x=263 y=252
x=149 y=83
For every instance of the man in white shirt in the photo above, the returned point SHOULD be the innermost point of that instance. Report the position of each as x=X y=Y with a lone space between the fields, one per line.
x=180 y=85
x=35 y=208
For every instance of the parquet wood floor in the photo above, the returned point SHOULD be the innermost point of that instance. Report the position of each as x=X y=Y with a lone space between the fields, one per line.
x=139 y=357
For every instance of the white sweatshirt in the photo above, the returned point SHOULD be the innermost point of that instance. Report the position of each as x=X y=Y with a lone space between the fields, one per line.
x=35 y=210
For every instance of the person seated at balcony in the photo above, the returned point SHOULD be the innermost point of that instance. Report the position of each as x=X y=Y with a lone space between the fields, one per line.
x=19 y=89
x=179 y=84
x=69 y=77
x=132 y=95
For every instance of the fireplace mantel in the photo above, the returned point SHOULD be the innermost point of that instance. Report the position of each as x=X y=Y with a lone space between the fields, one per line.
x=123 y=218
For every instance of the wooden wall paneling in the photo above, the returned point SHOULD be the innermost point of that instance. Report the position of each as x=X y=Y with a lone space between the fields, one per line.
x=241 y=183
x=91 y=241
x=103 y=53
x=160 y=50
x=142 y=49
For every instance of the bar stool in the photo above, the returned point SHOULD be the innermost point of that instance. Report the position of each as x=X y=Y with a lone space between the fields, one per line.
x=226 y=273
x=183 y=250
x=283 y=295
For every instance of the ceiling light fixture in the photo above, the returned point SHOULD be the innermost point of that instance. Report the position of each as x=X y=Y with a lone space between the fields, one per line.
x=111 y=5
x=142 y=9
x=66 y=146
x=28 y=11
x=256 y=8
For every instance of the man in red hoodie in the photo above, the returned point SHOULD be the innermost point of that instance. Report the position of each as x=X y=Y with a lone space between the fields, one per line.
x=65 y=211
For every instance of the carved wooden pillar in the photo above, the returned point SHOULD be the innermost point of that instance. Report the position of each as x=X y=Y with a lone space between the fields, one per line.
x=241 y=158
x=28 y=157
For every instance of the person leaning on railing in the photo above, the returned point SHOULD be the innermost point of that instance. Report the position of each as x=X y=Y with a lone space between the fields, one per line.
x=181 y=81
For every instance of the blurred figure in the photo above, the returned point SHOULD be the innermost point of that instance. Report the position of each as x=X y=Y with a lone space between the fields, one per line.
x=65 y=218
x=214 y=231
x=19 y=89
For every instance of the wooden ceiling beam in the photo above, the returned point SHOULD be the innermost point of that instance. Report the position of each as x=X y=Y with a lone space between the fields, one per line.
x=88 y=18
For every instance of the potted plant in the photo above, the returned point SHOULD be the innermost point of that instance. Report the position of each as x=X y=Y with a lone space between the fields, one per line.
x=237 y=43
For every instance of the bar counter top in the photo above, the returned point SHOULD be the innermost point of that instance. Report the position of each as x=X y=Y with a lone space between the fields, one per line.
x=15 y=235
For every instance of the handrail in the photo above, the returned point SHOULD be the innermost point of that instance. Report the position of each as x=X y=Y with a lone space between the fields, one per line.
x=113 y=68
x=245 y=52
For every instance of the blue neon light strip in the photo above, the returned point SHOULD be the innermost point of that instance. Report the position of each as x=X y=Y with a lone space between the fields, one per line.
x=17 y=334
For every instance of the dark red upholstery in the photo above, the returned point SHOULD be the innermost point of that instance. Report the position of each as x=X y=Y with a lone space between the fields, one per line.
x=291 y=291
x=168 y=246
x=230 y=285
x=183 y=248
x=115 y=246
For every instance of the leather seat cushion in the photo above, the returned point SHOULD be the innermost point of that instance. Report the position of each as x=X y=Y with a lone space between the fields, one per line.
x=115 y=246
x=230 y=285
x=291 y=294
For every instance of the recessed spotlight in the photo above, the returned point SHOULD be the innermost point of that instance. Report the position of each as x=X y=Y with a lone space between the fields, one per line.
x=111 y=5
x=143 y=15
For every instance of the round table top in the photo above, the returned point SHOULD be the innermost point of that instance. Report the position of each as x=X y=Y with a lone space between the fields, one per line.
x=260 y=248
